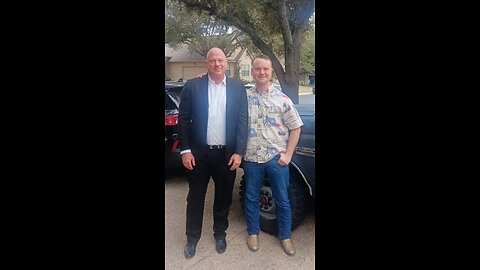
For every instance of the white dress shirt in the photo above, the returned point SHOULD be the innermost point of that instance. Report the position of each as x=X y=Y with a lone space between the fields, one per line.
x=217 y=112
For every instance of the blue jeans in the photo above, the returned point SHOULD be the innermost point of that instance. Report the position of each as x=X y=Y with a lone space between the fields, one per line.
x=278 y=177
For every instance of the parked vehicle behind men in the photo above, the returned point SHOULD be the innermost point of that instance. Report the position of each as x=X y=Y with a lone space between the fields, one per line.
x=173 y=91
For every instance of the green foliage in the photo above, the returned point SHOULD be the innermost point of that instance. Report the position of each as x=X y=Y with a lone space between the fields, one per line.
x=307 y=52
x=276 y=28
x=200 y=31
x=185 y=24
x=188 y=25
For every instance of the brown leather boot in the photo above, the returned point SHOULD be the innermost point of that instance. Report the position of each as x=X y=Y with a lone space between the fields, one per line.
x=288 y=246
x=252 y=242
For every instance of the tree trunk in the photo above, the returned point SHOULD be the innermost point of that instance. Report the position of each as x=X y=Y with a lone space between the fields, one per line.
x=290 y=81
x=292 y=65
x=290 y=88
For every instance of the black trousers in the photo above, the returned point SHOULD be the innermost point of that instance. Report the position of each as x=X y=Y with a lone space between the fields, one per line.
x=214 y=166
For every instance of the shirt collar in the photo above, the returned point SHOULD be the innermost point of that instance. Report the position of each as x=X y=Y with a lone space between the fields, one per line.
x=269 y=90
x=224 y=81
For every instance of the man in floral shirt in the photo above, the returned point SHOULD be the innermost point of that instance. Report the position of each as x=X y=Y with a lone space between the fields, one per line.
x=274 y=129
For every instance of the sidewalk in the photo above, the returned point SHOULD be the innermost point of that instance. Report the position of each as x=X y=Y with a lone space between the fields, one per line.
x=304 y=90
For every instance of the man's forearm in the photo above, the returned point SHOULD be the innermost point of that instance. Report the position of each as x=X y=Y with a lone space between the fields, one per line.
x=292 y=141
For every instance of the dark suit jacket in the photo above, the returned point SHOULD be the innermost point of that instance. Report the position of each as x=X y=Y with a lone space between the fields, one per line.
x=193 y=117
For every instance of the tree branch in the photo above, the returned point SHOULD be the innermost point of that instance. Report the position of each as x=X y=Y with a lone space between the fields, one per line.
x=285 y=25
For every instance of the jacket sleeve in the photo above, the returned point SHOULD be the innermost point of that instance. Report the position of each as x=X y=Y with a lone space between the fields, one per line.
x=185 y=117
x=242 y=126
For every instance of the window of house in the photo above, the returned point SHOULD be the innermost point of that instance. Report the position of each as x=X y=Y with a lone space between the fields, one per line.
x=228 y=70
x=245 y=70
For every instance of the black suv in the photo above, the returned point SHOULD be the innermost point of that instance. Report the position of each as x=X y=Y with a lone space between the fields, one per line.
x=173 y=90
x=302 y=177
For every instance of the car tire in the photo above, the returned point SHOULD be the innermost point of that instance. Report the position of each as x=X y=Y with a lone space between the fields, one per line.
x=299 y=203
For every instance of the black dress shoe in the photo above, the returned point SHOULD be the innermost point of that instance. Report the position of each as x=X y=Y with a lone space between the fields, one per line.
x=189 y=250
x=221 y=245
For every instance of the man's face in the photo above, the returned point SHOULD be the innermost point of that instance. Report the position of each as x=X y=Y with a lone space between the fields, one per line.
x=262 y=70
x=216 y=63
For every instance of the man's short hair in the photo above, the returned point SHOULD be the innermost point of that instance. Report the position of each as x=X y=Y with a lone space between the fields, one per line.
x=261 y=56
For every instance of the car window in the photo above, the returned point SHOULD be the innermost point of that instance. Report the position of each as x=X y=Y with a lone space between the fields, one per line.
x=172 y=98
x=175 y=94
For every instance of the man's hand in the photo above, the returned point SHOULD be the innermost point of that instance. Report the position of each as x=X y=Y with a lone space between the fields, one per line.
x=236 y=159
x=284 y=159
x=188 y=160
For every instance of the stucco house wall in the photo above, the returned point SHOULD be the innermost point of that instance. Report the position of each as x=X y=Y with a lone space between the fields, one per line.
x=183 y=64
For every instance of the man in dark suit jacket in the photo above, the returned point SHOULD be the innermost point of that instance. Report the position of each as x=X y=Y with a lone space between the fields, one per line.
x=212 y=129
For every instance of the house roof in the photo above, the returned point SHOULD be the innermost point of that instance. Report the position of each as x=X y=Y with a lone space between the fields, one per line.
x=183 y=55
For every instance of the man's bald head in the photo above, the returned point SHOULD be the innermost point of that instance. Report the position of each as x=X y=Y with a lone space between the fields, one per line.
x=216 y=64
x=215 y=50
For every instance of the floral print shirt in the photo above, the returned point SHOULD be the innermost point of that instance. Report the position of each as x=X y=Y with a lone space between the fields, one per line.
x=270 y=117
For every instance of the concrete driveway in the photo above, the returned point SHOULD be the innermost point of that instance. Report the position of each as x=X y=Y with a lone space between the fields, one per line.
x=237 y=256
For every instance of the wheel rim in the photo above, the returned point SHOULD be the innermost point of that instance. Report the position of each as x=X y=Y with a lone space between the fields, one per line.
x=266 y=202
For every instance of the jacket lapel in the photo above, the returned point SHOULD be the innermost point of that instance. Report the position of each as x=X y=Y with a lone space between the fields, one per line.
x=229 y=97
x=204 y=104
